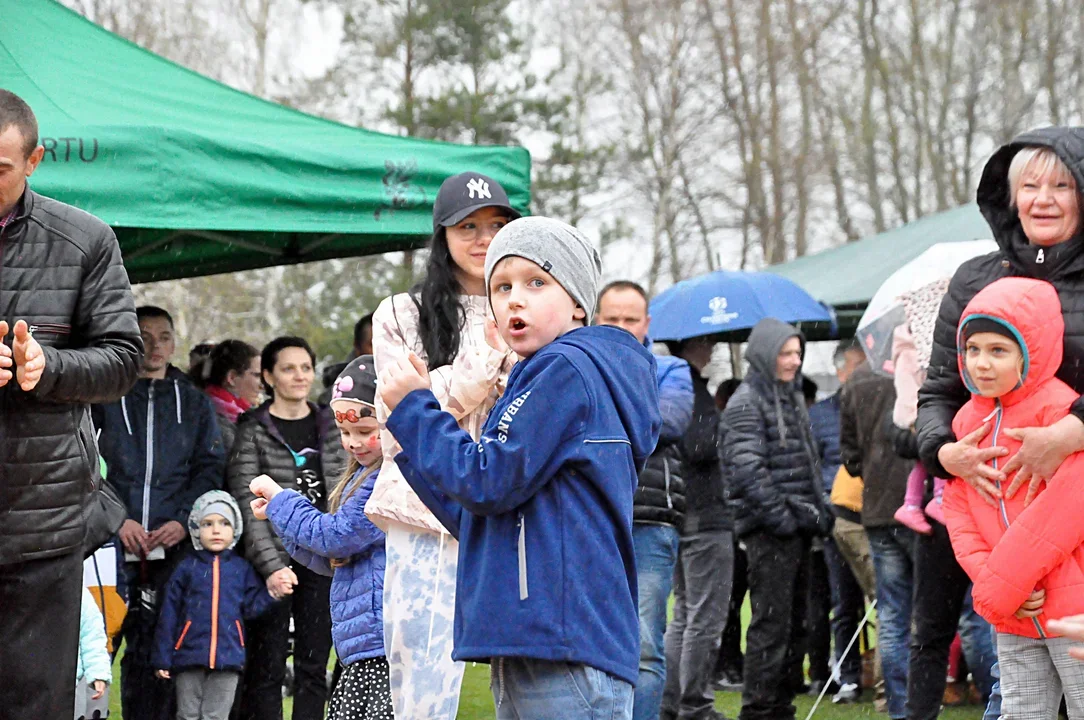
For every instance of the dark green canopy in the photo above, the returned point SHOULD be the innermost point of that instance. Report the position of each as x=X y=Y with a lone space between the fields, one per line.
x=846 y=277
x=197 y=178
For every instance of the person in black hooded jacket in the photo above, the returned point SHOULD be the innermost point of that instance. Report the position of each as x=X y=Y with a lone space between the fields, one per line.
x=773 y=484
x=1030 y=196
x=296 y=443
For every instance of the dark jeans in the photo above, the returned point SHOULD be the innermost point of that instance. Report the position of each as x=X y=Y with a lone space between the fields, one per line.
x=940 y=585
x=143 y=695
x=848 y=608
x=730 y=655
x=39 y=637
x=269 y=645
x=778 y=591
x=893 y=549
x=702 y=579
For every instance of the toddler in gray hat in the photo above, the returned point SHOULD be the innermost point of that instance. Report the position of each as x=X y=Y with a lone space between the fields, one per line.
x=542 y=502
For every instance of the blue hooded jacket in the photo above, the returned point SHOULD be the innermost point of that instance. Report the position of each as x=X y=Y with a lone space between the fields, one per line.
x=208 y=598
x=163 y=448
x=542 y=504
x=357 y=589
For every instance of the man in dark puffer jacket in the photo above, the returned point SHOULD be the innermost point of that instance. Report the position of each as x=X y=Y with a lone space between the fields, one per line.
x=659 y=503
x=65 y=294
x=774 y=486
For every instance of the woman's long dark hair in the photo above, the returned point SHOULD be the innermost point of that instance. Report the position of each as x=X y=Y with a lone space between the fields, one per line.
x=440 y=315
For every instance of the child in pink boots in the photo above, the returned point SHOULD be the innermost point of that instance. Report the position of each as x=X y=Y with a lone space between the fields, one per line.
x=909 y=376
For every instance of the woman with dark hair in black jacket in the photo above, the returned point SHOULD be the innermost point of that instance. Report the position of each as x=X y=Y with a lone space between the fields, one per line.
x=297 y=445
x=1030 y=195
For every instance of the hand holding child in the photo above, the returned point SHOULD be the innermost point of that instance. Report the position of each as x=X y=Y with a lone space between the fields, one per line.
x=1033 y=606
x=281 y=583
x=1071 y=627
x=401 y=378
x=163 y=674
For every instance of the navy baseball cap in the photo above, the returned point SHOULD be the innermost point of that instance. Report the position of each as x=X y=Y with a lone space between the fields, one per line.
x=462 y=194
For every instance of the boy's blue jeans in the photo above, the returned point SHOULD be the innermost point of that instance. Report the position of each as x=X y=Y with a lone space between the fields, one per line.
x=526 y=689
x=656 y=550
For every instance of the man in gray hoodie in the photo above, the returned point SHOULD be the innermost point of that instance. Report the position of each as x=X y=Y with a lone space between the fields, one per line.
x=774 y=486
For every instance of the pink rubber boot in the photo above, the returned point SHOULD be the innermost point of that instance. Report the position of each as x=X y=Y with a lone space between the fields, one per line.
x=911 y=515
x=933 y=507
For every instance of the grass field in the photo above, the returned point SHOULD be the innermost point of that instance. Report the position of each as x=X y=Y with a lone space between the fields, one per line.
x=476 y=703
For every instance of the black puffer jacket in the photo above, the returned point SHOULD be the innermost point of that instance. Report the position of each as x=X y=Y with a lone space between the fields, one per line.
x=259 y=449
x=868 y=449
x=60 y=270
x=705 y=492
x=944 y=393
x=773 y=480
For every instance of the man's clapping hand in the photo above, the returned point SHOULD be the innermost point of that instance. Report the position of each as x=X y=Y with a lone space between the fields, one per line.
x=25 y=358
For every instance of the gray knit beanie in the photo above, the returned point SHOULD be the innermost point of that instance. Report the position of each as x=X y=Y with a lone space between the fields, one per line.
x=556 y=247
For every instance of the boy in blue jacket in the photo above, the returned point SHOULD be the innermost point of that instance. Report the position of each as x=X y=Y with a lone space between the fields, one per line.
x=199 y=642
x=542 y=504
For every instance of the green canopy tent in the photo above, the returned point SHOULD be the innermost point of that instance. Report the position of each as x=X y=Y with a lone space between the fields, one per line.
x=197 y=178
x=846 y=277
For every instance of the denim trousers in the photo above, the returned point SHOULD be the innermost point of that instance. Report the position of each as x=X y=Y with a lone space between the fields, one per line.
x=529 y=689
x=893 y=550
x=656 y=550
x=848 y=608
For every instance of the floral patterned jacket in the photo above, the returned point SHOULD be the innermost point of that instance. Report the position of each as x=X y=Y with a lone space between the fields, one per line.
x=468 y=389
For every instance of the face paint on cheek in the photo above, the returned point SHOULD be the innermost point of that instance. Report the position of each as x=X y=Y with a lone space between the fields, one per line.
x=373 y=443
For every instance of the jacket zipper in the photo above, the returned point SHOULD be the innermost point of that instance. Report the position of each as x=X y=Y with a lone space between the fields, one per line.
x=522 y=554
x=150 y=456
x=666 y=479
x=214 y=612
x=51 y=328
x=1002 y=510
x=184 y=632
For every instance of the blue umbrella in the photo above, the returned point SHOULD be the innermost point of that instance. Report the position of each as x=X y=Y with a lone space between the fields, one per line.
x=725 y=302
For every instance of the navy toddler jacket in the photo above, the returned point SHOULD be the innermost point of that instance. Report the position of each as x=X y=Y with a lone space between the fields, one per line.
x=357 y=589
x=208 y=598
x=542 y=504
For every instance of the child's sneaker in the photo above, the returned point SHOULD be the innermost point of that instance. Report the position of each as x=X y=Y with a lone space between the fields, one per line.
x=935 y=511
x=912 y=516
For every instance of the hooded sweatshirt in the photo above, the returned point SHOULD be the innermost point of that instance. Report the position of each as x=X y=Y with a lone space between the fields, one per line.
x=1009 y=551
x=163 y=447
x=542 y=503
x=944 y=393
x=207 y=599
x=769 y=457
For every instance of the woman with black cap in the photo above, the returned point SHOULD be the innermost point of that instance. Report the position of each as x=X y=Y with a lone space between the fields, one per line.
x=447 y=322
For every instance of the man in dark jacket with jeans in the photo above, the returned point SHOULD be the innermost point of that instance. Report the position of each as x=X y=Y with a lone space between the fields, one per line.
x=68 y=338
x=163 y=448
x=774 y=486
x=705 y=568
x=659 y=502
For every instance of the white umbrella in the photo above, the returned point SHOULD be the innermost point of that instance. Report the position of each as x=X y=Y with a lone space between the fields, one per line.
x=885 y=311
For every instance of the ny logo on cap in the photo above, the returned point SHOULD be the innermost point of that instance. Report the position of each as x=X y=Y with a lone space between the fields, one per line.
x=480 y=186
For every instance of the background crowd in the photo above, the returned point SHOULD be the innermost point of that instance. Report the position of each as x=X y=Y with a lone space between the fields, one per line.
x=757 y=489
